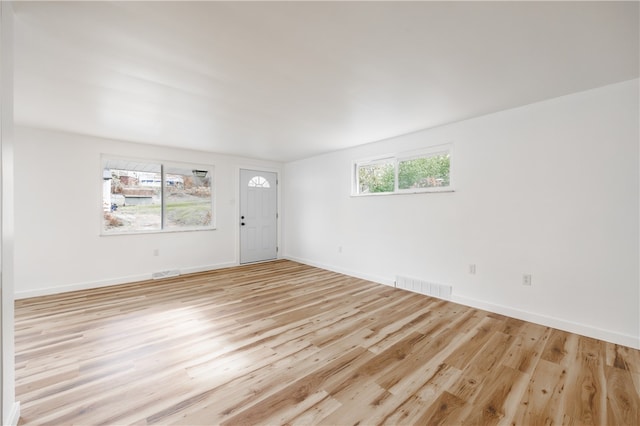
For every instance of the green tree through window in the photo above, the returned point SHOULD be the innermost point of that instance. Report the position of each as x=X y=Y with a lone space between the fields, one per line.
x=374 y=178
x=427 y=171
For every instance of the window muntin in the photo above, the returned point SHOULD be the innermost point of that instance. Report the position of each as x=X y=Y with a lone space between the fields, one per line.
x=258 y=182
x=419 y=171
x=141 y=196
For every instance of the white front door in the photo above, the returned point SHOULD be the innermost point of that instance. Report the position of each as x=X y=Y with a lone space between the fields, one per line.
x=258 y=216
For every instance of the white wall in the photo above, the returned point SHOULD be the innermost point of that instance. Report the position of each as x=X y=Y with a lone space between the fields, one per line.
x=550 y=189
x=10 y=409
x=58 y=245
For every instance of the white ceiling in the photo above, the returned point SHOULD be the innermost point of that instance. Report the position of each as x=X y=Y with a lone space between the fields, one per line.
x=288 y=80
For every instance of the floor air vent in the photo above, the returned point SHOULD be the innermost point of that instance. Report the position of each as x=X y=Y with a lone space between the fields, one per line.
x=165 y=274
x=424 y=287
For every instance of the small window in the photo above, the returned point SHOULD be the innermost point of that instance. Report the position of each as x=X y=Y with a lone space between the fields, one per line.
x=259 y=182
x=376 y=177
x=429 y=171
x=423 y=171
x=140 y=196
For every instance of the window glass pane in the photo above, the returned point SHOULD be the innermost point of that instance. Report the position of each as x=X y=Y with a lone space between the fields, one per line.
x=425 y=172
x=131 y=197
x=187 y=199
x=379 y=177
x=258 y=182
x=139 y=196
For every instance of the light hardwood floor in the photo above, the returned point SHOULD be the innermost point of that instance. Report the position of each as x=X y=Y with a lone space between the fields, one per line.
x=285 y=343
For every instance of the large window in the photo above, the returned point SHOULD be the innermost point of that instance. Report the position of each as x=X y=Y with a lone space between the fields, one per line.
x=423 y=171
x=147 y=196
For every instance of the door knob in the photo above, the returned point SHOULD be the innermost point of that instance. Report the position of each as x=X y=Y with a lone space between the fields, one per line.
x=241 y=217
x=242 y=223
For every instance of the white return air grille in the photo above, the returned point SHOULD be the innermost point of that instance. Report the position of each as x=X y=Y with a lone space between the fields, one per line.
x=165 y=274
x=424 y=287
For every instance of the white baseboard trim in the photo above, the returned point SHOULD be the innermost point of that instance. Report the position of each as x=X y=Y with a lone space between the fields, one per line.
x=14 y=415
x=47 y=291
x=351 y=273
x=112 y=281
x=196 y=269
x=547 y=321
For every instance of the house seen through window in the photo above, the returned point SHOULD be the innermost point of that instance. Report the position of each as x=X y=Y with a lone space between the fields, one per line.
x=139 y=196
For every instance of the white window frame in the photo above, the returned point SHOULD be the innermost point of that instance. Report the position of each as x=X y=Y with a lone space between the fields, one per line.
x=396 y=159
x=163 y=166
x=355 y=189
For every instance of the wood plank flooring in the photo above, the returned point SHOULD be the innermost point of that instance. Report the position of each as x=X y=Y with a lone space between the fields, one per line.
x=285 y=343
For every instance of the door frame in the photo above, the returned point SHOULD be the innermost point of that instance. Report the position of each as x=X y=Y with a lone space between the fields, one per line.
x=278 y=173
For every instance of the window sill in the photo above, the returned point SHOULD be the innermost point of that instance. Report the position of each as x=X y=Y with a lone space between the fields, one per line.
x=406 y=192
x=155 y=231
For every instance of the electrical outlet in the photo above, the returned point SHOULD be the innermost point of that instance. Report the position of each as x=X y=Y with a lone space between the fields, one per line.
x=472 y=269
x=339 y=249
x=526 y=279
x=156 y=252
